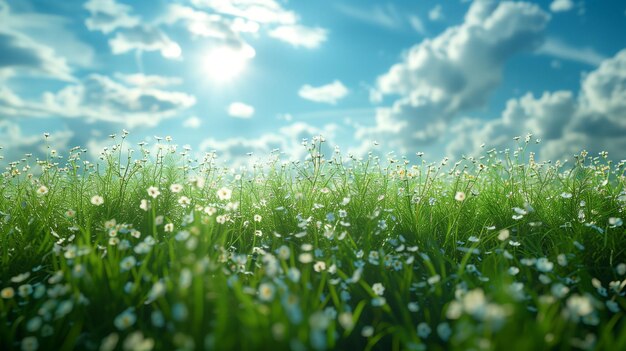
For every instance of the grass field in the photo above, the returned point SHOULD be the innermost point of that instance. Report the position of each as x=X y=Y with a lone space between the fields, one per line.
x=155 y=250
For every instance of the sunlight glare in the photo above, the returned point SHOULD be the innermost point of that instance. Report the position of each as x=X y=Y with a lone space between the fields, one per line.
x=225 y=63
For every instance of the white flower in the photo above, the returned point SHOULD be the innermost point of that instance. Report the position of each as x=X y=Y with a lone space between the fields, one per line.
x=168 y=228
x=97 y=200
x=144 y=205
x=459 y=196
x=305 y=257
x=566 y=195
x=319 y=266
x=125 y=319
x=224 y=193
x=579 y=305
x=30 y=343
x=176 y=188
x=153 y=192
x=434 y=279
x=503 y=234
x=184 y=201
x=367 y=331
x=346 y=321
x=257 y=218
x=615 y=221
x=378 y=289
x=128 y=263
x=266 y=291
x=43 y=190
x=7 y=293
x=544 y=265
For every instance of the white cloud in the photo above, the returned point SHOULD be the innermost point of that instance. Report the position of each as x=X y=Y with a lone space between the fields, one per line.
x=240 y=110
x=204 y=24
x=417 y=24
x=561 y=5
x=109 y=15
x=436 y=13
x=192 y=122
x=288 y=140
x=297 y=35
x=100 y=98
x=453 y=73
x=556 y=48
x=594 y=120
x=145 y=38
x=329 y=93
x=383 y=16
x=262 y=11
x=147 y=80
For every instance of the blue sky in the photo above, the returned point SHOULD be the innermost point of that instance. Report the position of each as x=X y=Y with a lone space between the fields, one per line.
x=235 y=76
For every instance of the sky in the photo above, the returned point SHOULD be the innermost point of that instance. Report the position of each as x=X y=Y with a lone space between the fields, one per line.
x=447 y=78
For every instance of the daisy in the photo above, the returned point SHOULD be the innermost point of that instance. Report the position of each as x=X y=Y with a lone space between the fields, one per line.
x=43 y=190
x=378 y=289
x=459 y=196
x=224 y=193
x=97 y=200
x=125 y=319
x=257 y=218
x=176 y=188
x=154 y=192
x=168 y=228
x=7 y=293
x=266 y=292
x=319 y=266
x=184 y=201
x=144 y=205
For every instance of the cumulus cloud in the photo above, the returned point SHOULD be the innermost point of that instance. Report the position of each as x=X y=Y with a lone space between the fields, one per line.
x=288 y=140
x=109 y=15
x=566 y=123
x=147 y=80
x=298 y=35
x=561 y=5
x=101 y=98
x=455 y=72
x=329 y=93
x=240 y=110
x=145 y=38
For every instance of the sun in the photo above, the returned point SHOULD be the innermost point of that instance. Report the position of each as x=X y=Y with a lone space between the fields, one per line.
x=225 y=63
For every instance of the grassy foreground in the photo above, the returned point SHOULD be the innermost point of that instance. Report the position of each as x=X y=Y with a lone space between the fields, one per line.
x=158 y=251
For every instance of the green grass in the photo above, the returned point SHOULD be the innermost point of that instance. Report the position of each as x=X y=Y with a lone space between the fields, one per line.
x=499 y=252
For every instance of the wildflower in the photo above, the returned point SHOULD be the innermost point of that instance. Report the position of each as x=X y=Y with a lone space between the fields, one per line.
x=293 y=274
x=566 y=195
x=70 y=213
x=378 y=289
x=7 y=293
x=158 y=220
x=20 y=277
x=210 y=210
x=305 y=257
x=128 y=263
x=168 y=228
x=544 y=265
x=224 y=193
x=503 y=234
x=283 y=252
x=257 y=218
x=137 y=342
x=413 y=306
x=513 y=270
x=153 y=192
x=423 y=330
x=621 y=268
x=346 y=320
x=258 y=232
x=221 y=219
x=30 y=343
x=125 y=319
x=109 y=342
x=615 y=222
x=319 y=266
x=266 y=292
x=34 y=324
x=43 y=190
x=184 y=201
x=25 y=290
x=97 y=200
x=157 y=290
x=176 y=188
x=459 y=196
x=434 y=279
x=444 y=331
x=367 y=331
x=579 y=305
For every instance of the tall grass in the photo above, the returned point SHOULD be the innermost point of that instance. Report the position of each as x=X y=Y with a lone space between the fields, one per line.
x=155 y=250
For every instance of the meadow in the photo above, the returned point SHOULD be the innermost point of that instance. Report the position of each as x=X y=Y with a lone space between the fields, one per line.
x=152 y=249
